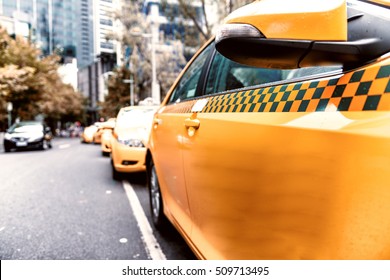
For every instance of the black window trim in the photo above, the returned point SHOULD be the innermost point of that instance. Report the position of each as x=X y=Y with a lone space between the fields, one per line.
x=200 y=87
x=202 y=82
x=206 y=72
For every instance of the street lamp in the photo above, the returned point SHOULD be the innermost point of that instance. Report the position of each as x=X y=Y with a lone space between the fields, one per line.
x=155 y=86
x=131 y=82
x=155 y=30
x=9 y=110
x=136 y=32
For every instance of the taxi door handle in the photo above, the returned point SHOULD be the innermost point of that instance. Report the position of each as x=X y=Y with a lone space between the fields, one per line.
x=157 y=121
x=194 y=123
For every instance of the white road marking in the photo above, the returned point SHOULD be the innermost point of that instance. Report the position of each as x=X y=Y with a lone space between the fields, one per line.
x=152 y=246
x=64 y=146
x=2 y=228
x=123 y=240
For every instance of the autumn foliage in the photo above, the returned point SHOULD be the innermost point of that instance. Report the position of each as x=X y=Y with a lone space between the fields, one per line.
x=32 y=84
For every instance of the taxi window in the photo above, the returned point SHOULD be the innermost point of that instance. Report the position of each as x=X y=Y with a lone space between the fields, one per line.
x=186 y=88
x=226 y=74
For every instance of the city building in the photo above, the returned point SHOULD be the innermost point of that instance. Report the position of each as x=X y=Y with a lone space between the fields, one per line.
x=74 y=29
x=107 y=54
x=61 y=26
x=173 y=25
x=105 y=25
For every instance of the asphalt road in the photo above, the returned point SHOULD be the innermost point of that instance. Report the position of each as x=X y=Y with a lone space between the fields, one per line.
x=63 y=204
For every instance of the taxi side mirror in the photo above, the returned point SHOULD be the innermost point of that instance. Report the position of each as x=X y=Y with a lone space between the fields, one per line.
x=303 y=33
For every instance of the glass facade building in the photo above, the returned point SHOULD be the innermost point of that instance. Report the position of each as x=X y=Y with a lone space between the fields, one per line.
x=63 y=26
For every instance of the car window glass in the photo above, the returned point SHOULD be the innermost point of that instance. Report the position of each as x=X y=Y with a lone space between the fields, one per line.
x=135 y=117
x=186 y=88
x=228 y=75
x=26 y=128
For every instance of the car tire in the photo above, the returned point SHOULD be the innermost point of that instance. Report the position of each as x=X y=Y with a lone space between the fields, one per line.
x=44 y=145
x=115 y=174
x=155 y=198
x=6 y=150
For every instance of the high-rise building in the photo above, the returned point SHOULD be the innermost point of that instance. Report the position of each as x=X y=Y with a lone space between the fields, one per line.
x=62 y=26
x=107 y=54
x=105 y=25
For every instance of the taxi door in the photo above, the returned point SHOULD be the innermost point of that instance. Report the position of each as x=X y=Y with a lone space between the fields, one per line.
x=167 y=140
x=220 y=151
x=267 y=169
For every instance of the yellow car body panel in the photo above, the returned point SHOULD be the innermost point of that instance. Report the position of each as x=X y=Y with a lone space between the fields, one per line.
x=300 y=196
x=168 y=149
x=127 y=158
x=309 y=195
x=303 y=19
x=88 y=134
x=121 y=153
x=296 y=168
x=105 y=135
x=106 y=141
x=97 y=136
x=383 y=2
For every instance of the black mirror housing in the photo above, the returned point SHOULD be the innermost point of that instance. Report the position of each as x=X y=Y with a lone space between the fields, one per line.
x=368 y=38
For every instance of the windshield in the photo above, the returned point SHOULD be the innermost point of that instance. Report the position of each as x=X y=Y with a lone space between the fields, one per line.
x=135 y=117
x=26 y=127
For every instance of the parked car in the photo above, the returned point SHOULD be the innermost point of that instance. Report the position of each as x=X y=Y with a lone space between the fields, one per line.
x=27 y=135
x=277 y=146
x=129 y=137
x=105 y=142
x=97 y=136
x=87 y=136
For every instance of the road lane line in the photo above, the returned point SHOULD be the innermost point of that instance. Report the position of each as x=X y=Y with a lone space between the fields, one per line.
x=152 y=246
x=64 y=146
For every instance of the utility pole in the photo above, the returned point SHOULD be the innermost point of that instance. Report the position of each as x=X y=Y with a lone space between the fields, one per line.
x=131 y=82
x=154 y=41
x=9 y=110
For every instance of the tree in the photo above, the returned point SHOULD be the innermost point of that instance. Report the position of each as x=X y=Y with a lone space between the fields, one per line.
x=118 y=92
x=204 y=22
x=32 y=84
x=137 y=64
x=192 y=26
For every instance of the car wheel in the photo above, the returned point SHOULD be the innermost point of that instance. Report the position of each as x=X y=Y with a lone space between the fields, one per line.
x=7 y=150
x=156 y=203
x=44 y=145
x=115 y=174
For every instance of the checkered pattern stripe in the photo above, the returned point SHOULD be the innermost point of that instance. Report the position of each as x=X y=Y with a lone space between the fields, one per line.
x=180 y=108
x=362 y=90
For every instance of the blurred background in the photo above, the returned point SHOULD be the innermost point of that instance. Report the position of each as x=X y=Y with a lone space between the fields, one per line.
x=70 y=62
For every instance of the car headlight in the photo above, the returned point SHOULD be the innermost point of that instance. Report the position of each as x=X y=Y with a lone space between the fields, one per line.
x=8 y=136
x=132 y=142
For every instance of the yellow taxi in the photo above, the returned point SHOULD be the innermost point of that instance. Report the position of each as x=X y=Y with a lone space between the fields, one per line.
x=128 y=140
x=87 y=136
x=274 y=141
x=105 y=135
